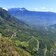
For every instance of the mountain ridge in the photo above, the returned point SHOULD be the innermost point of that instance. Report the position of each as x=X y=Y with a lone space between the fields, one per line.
x=35 y=18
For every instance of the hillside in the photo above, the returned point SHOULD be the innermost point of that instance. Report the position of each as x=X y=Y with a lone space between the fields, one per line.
x=36 y=42
x=7 y=48
x=11 y=27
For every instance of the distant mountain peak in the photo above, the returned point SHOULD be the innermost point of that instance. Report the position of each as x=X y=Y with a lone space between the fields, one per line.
x=22 y=9
x=18 y=9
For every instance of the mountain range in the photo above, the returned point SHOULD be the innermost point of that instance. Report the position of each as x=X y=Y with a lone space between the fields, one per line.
x=34 y=18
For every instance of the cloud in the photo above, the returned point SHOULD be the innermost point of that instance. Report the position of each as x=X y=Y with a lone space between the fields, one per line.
x=43 y=8
x=51 y=9
x=5 y=8
x=36 y=9
x=46 y=9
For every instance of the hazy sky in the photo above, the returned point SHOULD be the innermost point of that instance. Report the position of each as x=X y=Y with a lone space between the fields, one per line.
x=35 y=5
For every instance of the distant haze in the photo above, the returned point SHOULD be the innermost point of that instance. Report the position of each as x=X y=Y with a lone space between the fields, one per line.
x=33 y=17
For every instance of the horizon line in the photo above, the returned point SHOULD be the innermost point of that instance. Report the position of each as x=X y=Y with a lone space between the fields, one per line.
x=28 y=9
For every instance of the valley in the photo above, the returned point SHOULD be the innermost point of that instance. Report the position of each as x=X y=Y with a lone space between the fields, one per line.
x=31 y=38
